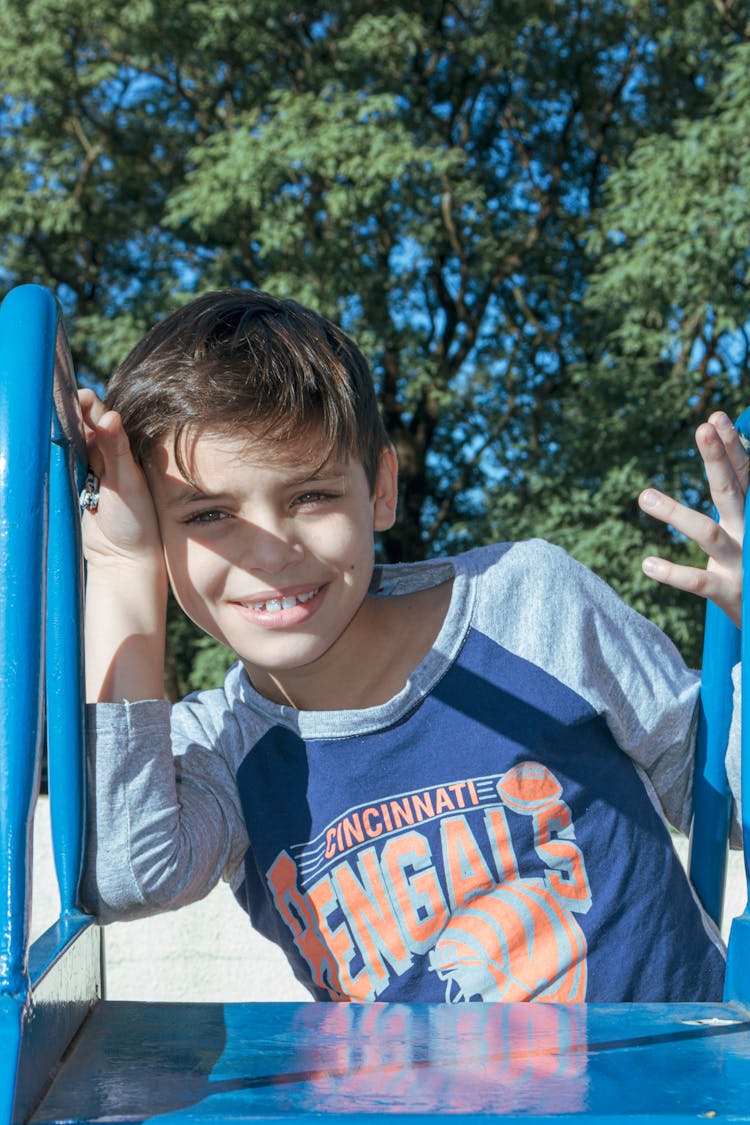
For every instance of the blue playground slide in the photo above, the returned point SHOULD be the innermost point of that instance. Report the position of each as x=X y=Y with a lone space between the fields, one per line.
x=68 y=1054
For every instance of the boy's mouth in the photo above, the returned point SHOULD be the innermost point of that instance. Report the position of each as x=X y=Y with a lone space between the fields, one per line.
x=276 y=605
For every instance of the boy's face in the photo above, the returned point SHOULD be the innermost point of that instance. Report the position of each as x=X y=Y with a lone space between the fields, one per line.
x=266 y=551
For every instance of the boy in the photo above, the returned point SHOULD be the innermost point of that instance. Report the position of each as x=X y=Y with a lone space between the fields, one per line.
x=442 y=781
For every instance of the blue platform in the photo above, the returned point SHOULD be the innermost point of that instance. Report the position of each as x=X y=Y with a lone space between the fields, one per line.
x=213 y=1062
x=67 y=1054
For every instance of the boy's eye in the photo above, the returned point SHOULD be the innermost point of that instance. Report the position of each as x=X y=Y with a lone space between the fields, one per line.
x=312 y=497
x=210 y=515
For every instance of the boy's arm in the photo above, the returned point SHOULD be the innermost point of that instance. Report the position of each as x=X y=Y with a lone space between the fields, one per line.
x=126 y=582
x=727 y=464
x=162 y=829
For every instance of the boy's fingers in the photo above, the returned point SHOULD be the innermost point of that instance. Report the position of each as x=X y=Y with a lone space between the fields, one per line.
x=114 y=448
x=704 y=583
x=112 y=431
x=709 y=535
x=681 y=577
x=726 y=463
x=92 y=406
x=111 y=459
x=92 y=409
x=735 y=450
x=727 y=480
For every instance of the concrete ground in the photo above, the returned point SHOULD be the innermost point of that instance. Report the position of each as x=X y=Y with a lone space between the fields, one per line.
x=208 y=951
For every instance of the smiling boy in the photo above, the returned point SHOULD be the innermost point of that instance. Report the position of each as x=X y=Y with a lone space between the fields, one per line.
x=438 y=781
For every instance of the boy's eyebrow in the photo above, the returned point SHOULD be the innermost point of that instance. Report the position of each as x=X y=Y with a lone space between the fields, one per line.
x=189 y=494
x=334 y=472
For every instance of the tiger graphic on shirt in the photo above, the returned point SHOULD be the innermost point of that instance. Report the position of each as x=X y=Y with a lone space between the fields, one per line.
x=435 y=874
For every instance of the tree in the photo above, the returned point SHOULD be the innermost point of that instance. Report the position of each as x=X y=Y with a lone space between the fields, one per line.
x=432 y=175
x=670 y=289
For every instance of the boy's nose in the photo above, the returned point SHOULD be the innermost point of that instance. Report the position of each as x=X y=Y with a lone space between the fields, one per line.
x=269 y=547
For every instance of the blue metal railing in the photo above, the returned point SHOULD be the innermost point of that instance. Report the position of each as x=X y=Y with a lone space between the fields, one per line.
x=737 y=980
x=66 y=763
x=712 y=800
x=40 y=595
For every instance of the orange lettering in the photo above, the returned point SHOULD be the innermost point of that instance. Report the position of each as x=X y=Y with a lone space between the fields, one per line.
x=423 y=805
x=367 y=817
x=338 y=940
x=464 y=866
x=353 y=830
x=402 y=813
x=291 y=904
x=419 y=896
x=566 y=874
x=457 y=789
x=443 y=803
x=370 y=915
x=502 y=848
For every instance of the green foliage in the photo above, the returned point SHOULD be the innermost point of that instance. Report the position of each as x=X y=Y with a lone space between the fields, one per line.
x=674 y=235
x=194 y=661
x=602 y=528
x=531 y=215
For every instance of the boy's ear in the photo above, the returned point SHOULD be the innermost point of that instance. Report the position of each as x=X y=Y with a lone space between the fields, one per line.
x=385 y=492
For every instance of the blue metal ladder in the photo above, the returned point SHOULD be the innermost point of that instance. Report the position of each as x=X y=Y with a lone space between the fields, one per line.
x=67 y=1054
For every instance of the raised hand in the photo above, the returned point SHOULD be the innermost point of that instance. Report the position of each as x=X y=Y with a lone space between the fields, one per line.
x=126 y=579
x=124 y=527
x=727 y=469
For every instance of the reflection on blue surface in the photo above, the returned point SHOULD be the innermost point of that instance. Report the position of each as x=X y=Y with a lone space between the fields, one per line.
x=381 y=1058
x=208 y=1062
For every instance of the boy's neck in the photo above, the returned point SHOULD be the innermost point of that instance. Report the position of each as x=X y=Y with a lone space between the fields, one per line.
x=371 y=662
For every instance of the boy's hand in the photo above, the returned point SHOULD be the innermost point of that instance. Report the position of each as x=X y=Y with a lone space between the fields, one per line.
x=727 y=469
x=124 y=528
x=126 y=578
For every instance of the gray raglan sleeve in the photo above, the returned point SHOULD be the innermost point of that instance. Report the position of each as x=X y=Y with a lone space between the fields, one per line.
x=164 y=816
x=650 y=700
x=553 y=611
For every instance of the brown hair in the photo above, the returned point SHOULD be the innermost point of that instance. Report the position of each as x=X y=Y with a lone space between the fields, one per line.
x=245 y=360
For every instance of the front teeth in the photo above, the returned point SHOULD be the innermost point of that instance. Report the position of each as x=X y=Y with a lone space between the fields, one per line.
x=274 y=605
